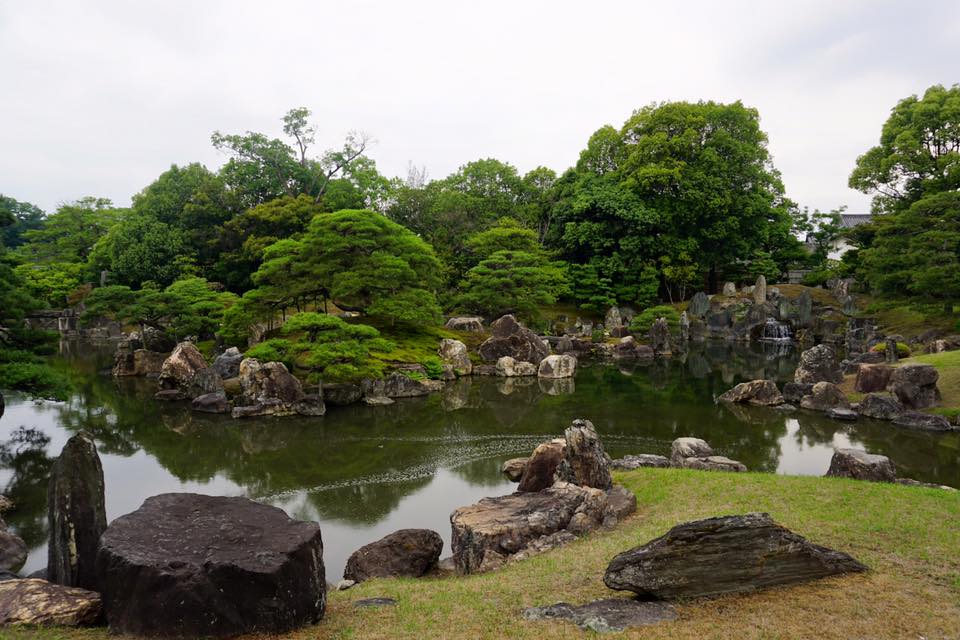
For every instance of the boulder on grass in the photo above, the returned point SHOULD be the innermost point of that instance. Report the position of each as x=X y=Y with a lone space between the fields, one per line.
x=880 y=406
x=405 y=553
x=818 y=364
x=915 y=385
x=872 y=377
x=860 y=465
x=32 y=601
x=825 y=396
x=542 y=465
x=763 y=393
x=683 y=448
x=77 y=514
x=584 y=463
x=187 y=565
x=731 y=554
x=636 y=461
x=605 y=616
x=714 y=463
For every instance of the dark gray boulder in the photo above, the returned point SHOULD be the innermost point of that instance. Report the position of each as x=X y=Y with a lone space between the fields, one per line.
x=763 y=393
x=584 y=463
x=76 y=513
x=227 y=364
x=730 y=554
x=880 y=406
x=341 y=393
x=187 y=565
x=13 y=552
x=631 y=461
x=211 y=403
x=605 y=616
x=860 y=465
x=925 y=421
x=510 y=338
x=818 y=364
x=915 y=385
x=841 y=413
x=405 y=553
x=793 y=392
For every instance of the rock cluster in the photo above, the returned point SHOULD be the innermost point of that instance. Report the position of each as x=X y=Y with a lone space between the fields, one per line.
x=268 y=389
x=685 y=453
x=510 y=338
x=186 y=375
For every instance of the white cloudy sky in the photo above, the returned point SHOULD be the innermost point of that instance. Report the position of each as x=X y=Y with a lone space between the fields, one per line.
x=98 y=98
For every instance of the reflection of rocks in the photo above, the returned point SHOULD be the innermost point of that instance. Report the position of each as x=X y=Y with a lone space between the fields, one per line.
x=557 y=386
x=732 y=554
x=404 y=553
x=38 y=602
x=214 y=562
x=509 y=386
x=860 y=465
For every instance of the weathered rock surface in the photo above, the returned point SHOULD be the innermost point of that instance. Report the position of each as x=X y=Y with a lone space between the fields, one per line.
x=731 y=554
x=605 y=616
x=762 y=393
x=860 y=465
x=267 y=388
x=713 y=463
x=699 y=304
x=925 y=421
x=465 y=323
x=405 y=553
x=486 y=534
x=186 y=370
x=542 y=465
x=683 y=448
x=13 y=551
x=514 y=467
x=841 y=413
x=584 y=462
x=872 y=377
x=455 y=353
x=881 y=406
x=629 y=349
x=400 y=385
x=227 y=364
x=557 y=366
x=211 y=403
x=915 y=385
x=825 y=396
x=187 y=565
x=818 y=364
x=510 y=338
x=793 y=392
x=37 y=602
x=341 y=393
x=660 y=336
x=629 y=462
x=509 y=367
x=76 y=513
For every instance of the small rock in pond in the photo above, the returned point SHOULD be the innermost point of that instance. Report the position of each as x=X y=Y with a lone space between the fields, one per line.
x=605 y=616
x=926 y=421
x=838 y=413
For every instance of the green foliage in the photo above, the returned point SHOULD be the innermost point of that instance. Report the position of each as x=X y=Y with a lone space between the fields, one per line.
x=70 y=234
x=588 y=289
x=903 y=349
x=512 y=282
x=373 y=265
x=16 y=218
x=51 y=282
x=433 y=366
x=139 y=249
x=273 y=350
x=36 y=378
x=642 y=322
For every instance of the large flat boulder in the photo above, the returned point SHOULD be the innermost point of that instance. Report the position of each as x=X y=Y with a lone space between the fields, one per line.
x=730 y=554
x=923 y=421
x=605 y=616
x=187 y=565
x=818 y=364
x=510 y=338
x=404 y=553
x=77 y=514
x=713 y=463
x=763 y=393
x=32 y=601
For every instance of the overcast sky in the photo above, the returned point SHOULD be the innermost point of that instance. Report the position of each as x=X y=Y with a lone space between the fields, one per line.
x=99 y=98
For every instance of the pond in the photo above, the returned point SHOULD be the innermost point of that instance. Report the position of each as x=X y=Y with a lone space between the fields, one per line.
x=363 y=472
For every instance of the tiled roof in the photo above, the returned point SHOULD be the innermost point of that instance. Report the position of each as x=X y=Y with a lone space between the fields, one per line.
x=850 y=220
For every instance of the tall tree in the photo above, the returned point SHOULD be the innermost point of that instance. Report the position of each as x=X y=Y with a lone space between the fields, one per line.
x=69 y=234
x=21 y=217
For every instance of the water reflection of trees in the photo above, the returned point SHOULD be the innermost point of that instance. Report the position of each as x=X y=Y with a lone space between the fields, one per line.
x=24 y=454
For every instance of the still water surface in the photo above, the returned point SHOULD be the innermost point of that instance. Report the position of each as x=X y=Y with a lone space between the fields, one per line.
x=362 y=472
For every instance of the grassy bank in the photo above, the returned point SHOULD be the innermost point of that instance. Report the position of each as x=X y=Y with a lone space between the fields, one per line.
x=947 y=365
x=908 y=536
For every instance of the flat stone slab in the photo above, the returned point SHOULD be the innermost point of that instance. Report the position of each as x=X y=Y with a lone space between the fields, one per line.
x=605 y=616
x=38 y=602
x=631 y=461
x=187 y=565
x=367 y=603
x=730 y=554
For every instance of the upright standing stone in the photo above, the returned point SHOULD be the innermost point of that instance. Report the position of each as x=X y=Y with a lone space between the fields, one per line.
x=891 y=352
x=684 y=327
x=760 y=290
x=585 y=463
x=804 y=309
x=77 y=515
x=660 y=336
x=700 y=304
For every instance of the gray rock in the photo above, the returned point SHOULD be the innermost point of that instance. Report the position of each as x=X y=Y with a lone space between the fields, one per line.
x=344 y=585
x=557 y=366
x=455 y=353
x=700 y=304
x=405 y=553
x=860 y=465
x=473 y=324
x=762 y=393
x=880 y=406
x=13 y=552
x=629 y=349
x=509 y=367
x=683 y=448
x=584 y=463
x=714 y=463
x=268 y=389
x=760 y=290
x=786 y=408
x=605 y=616
x=40 y=603
x=187 y=565
x=925 y=421
x=613 y=320
x=400 y=385
x=660 y=336
x=825 y=396
x=366 y=603
x=630 y=462
x=793 y=392
x=227 y=364
x=804 y=309
x=76 y=513
x=729 y=289
x=211 y=403
x=510 y=338
x=513 y=468
x=839 y=413
x=731 y=554
x=186 y=370
x=341 y=393
x=818 y=364
x=915 y=385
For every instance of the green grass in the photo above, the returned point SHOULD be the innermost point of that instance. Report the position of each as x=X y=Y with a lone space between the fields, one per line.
x=948 y=366
x=908 y=536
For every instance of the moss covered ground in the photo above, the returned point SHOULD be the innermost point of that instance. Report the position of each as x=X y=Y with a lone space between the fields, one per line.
x=908 y=536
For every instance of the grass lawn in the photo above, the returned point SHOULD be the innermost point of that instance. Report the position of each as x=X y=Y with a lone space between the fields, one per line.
x=909 y=537
x=947 y=365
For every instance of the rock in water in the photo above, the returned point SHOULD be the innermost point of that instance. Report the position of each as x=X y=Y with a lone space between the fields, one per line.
x=605 y=616
x=514 y=467
x=925 y=421
x=186 y=371
x=455 y=353
x=860 y=465
x=731 y=554
x=187 y=565
x=563 y=366
x=818 y=364
x=407 y=552
x=38 y=602
x=825 y=396
x=267 y=388
x=510 y=338
x=660 y=336
x=584 y=463
x=881 y=406
x=542 y=465
x=77 y=515
x=793 y=392
x=762 y=393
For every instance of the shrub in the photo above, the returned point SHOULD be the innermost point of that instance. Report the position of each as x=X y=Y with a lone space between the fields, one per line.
x=642 y=322
x=35 y=378
x=903 y=350
x=434 y=367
